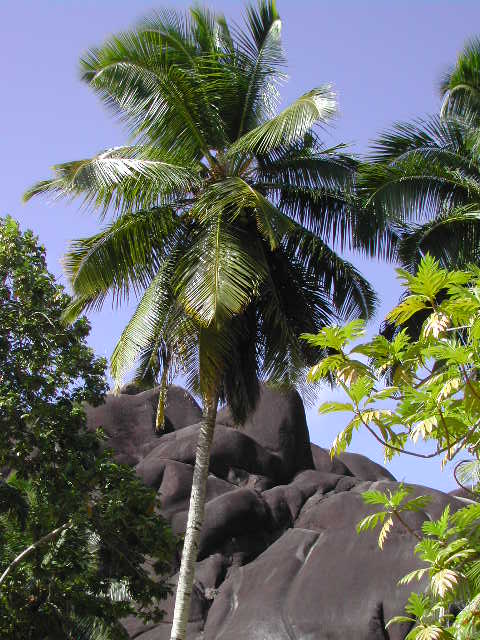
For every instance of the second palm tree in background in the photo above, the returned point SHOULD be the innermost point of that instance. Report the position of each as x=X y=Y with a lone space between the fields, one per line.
x=425 y=176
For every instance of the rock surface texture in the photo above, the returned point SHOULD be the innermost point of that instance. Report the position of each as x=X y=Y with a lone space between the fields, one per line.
x=279 y=556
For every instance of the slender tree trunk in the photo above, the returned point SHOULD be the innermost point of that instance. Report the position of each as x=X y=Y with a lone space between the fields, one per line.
x=195 y=520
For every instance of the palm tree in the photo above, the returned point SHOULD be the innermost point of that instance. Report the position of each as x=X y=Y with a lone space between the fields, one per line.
x=225 y=213
x=460 y=86
x=425 y=176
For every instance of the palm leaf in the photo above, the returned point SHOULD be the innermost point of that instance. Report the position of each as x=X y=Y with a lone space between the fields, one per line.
x=352 y=295
x=307 y=163
x=241 y=379
x=146 y=327
x=147 y=77
x=318 y=105
x=413 y=188
x=460 y=86
x=126 y=178
x=262 y=59
x=122 y=257
x=453 y=238
x=289 y=303
x=219 y=274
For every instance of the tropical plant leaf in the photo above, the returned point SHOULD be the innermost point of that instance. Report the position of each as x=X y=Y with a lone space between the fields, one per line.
x=318 y=105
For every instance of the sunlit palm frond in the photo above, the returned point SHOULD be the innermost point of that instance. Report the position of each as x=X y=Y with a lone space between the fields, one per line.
x=147 y=77
x=121 y=258
x=316 y=106
x=234 y=198
x=460 y=86
x=220 y=273
x=147 y=326
x=260 y=55
x=126 y=178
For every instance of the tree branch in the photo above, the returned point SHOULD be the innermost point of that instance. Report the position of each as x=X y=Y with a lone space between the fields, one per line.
x=26 y=552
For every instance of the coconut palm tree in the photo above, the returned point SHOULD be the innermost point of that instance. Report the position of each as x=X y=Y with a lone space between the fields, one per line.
x=226 y=213
x=460 y=86
x=425 y=176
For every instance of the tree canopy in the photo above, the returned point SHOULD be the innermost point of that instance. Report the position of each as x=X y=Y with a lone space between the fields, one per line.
x=434 y=396
x=76 y=528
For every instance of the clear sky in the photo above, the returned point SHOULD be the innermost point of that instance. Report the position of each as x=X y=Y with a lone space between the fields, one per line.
x=385 y=58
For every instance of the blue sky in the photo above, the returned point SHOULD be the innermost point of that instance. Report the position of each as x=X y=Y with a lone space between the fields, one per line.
x=385 y=58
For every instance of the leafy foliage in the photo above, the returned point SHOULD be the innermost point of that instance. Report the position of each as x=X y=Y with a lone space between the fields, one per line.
x=435 y=397
x=241 y=205
x=84 y=524
x=424 y=175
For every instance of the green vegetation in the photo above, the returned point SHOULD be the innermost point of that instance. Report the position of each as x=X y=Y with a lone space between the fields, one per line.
x=226 y=212
x=227 y=215
x=425 y=176
x=75 y=527
x=435 y=398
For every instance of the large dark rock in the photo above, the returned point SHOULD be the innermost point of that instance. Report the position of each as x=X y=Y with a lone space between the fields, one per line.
x=176 y=485
x=320 y=580
x=349 y=464
x=280 y=426
x=232 y=515
x=279 y=555
x=232 y=449
x=129 y=420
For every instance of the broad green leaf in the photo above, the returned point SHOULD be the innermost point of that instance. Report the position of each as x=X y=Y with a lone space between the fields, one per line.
x=331 y=407
x=375 y=497
x=370 y=522
x=406 y=309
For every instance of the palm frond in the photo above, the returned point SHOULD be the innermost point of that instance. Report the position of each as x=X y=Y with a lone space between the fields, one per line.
x=452 y=238
x=318 y=105
x=307 y=163
x=121 y=258
x=290 y=302
x=350 y=292
x=262 y=56
x=219 y=274
x=460 y=85
x=234 y=198
x=146 y=328
x=151 y=78
x=241 y=381
x=414 y=188
x=126 y=178
x=446 y=140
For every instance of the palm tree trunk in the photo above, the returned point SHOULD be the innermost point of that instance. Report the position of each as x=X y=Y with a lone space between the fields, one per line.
x=195 y=519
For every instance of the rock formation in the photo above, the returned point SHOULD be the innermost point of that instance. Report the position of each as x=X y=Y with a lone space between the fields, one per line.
x=279 y=556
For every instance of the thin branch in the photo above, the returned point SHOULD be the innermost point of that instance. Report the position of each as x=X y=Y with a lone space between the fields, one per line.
x=406 y=526
x=447 y=433
x=26 y=552
x=413 y=453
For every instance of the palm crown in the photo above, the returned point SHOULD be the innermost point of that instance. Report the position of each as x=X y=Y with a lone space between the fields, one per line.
x=224 y=213
x=425 y=175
